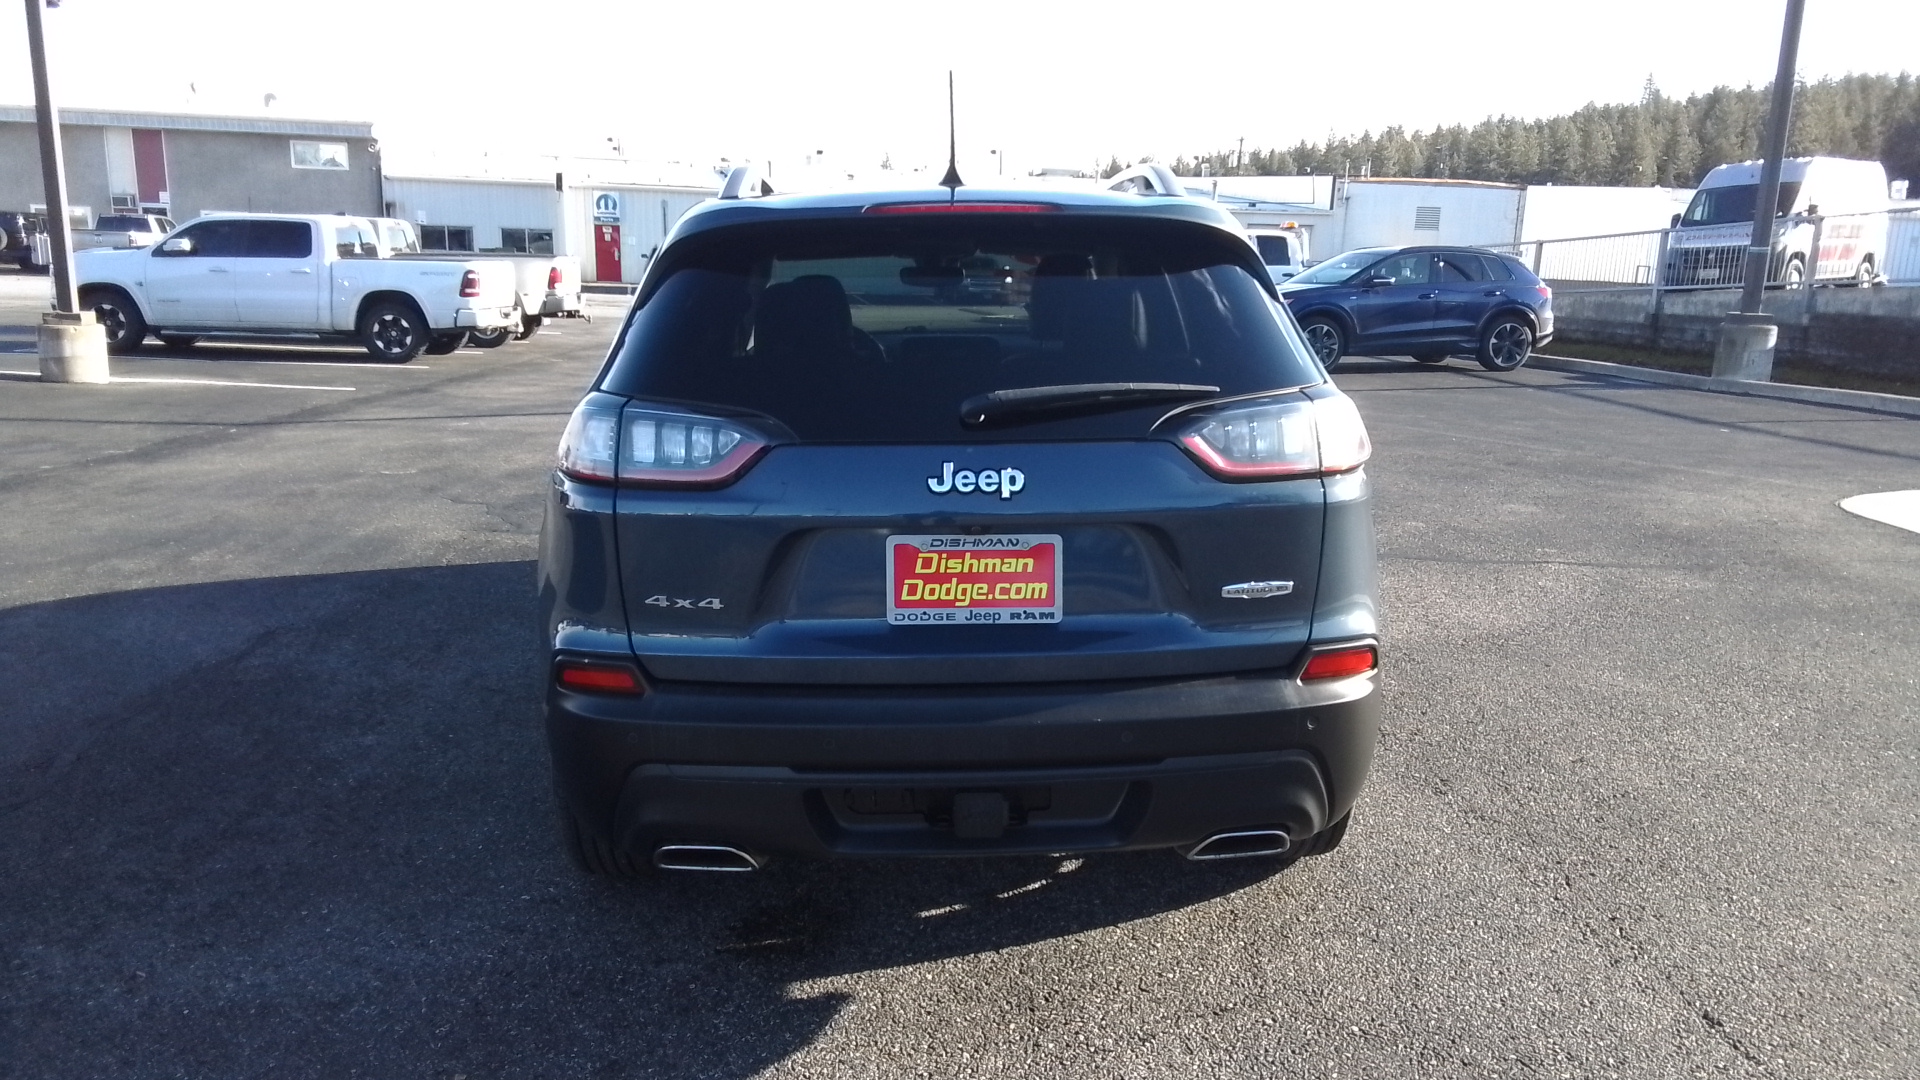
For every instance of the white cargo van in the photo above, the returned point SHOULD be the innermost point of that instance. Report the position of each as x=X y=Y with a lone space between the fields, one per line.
x=1844 y=201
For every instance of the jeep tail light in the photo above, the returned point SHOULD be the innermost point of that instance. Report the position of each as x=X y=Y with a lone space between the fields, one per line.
x=593 y=435
x=470 y=283
x=553 y=278
x=1341 y=663
x=598 y=678
x=1263 y=441
x=667 y=448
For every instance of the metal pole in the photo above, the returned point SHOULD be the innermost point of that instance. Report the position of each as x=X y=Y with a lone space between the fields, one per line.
x=1766 y=200
x=53 y=165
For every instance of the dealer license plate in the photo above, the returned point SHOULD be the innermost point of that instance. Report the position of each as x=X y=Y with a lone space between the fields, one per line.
x=953 y=580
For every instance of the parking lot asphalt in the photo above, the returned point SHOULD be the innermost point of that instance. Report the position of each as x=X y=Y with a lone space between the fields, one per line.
x=274 y=799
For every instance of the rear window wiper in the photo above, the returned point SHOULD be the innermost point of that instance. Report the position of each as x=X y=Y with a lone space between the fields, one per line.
x=1047 y=402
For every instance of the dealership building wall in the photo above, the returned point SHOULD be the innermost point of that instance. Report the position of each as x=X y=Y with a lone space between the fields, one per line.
x=183 y=165
x=587 y=218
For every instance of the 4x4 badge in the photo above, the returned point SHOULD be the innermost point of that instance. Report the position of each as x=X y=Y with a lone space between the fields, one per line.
x=1007 y=482
x=1256 y=590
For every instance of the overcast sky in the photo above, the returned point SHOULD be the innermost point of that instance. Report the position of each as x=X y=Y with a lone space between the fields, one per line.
x=1046 y=83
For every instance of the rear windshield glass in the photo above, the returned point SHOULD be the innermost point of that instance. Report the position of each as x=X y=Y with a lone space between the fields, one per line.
x=878 y=330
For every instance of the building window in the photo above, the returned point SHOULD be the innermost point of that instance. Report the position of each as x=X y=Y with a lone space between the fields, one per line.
x=318 y=155
x=527 y=241
x=446 y=238
x=1426 y=217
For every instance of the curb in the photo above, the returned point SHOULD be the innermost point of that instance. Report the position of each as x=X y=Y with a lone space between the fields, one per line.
x=1896 y=404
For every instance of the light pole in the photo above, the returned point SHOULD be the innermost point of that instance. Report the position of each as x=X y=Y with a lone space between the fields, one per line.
x=72 y=346
x=1747 y=337
x=53 y=164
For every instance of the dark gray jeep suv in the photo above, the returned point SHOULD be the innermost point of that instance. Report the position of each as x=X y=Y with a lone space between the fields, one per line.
x=941 y=523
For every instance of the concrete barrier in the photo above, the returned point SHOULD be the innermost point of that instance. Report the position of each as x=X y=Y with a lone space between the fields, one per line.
x=1873 y=331
x=73 y=348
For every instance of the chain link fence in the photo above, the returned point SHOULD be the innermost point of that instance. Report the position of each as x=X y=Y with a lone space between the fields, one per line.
x=1880 y=248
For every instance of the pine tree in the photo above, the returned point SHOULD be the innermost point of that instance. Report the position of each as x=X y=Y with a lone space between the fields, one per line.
x=1657 y=140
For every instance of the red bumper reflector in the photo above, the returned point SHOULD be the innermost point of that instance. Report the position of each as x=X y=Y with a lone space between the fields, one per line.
x=598 y=678
x=1341 y=663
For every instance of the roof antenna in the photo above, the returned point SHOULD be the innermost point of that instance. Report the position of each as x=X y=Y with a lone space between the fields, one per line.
x=952 y=180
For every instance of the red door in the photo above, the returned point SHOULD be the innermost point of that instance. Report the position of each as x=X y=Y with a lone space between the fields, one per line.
x=606 y=252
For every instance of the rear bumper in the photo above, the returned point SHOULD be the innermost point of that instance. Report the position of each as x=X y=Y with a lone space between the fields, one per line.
x=483 y=318
x=558 y=304
x=874 y=771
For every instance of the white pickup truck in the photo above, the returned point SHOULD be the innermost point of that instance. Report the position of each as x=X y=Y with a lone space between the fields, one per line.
x=549 y=285
x=122 y=231
x=292 y=274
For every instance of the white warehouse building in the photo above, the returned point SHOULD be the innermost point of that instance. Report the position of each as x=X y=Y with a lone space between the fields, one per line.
x=1343 y=213
x=613 y=227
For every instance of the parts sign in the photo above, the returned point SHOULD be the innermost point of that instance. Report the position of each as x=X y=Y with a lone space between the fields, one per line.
x=973 y=579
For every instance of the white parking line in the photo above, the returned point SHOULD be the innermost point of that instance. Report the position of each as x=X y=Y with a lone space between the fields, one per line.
x=291 y=363
x=200 y=382
x=1900 y=509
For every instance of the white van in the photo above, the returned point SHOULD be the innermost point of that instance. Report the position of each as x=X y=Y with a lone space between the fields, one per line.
x=1844 y=201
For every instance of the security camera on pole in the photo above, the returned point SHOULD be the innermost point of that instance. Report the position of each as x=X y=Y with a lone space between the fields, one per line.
x=1747 y=337
x=73 y=348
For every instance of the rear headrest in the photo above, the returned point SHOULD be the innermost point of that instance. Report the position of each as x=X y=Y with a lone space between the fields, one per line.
x=806 y=317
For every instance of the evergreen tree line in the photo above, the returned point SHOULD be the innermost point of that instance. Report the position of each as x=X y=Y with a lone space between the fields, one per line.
x=1658 y=141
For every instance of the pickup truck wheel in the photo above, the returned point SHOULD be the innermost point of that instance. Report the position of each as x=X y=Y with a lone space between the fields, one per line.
x=118 y=316
x=529 y=326
x=489 y=339
x=446 y=343
x=393 y=332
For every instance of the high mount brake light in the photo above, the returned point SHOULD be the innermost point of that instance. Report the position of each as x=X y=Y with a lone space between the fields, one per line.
x=1341 y=663
x=470 y=283
x=596 y=678
x=1270 y=440
x=654 y=447
x=961 y=208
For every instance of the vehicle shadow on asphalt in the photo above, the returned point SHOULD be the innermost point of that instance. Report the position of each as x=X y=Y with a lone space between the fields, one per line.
x=302 y=826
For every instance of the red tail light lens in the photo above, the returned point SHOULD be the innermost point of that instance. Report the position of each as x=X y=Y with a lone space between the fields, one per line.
x=553 y=278
x=470 y=283
x=611 y=440
x=1341 y=663
x=1263 y=441
x=598 y=678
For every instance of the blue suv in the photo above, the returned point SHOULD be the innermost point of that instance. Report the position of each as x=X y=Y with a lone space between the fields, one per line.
x=952 y=523
x=1425 y=302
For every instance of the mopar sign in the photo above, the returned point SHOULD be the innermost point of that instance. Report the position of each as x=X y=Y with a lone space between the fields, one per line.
x=606 y=208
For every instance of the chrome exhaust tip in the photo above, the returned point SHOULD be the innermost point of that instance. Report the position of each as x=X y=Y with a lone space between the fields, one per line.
x=716 y=857
x=1244 y=844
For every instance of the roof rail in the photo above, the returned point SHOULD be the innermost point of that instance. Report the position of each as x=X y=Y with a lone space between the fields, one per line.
x=744 y=181
x=1147 y=178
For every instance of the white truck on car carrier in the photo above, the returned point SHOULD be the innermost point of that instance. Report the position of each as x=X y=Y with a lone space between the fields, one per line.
x=270 y=275
x=548 y=285
x=1843 y=202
